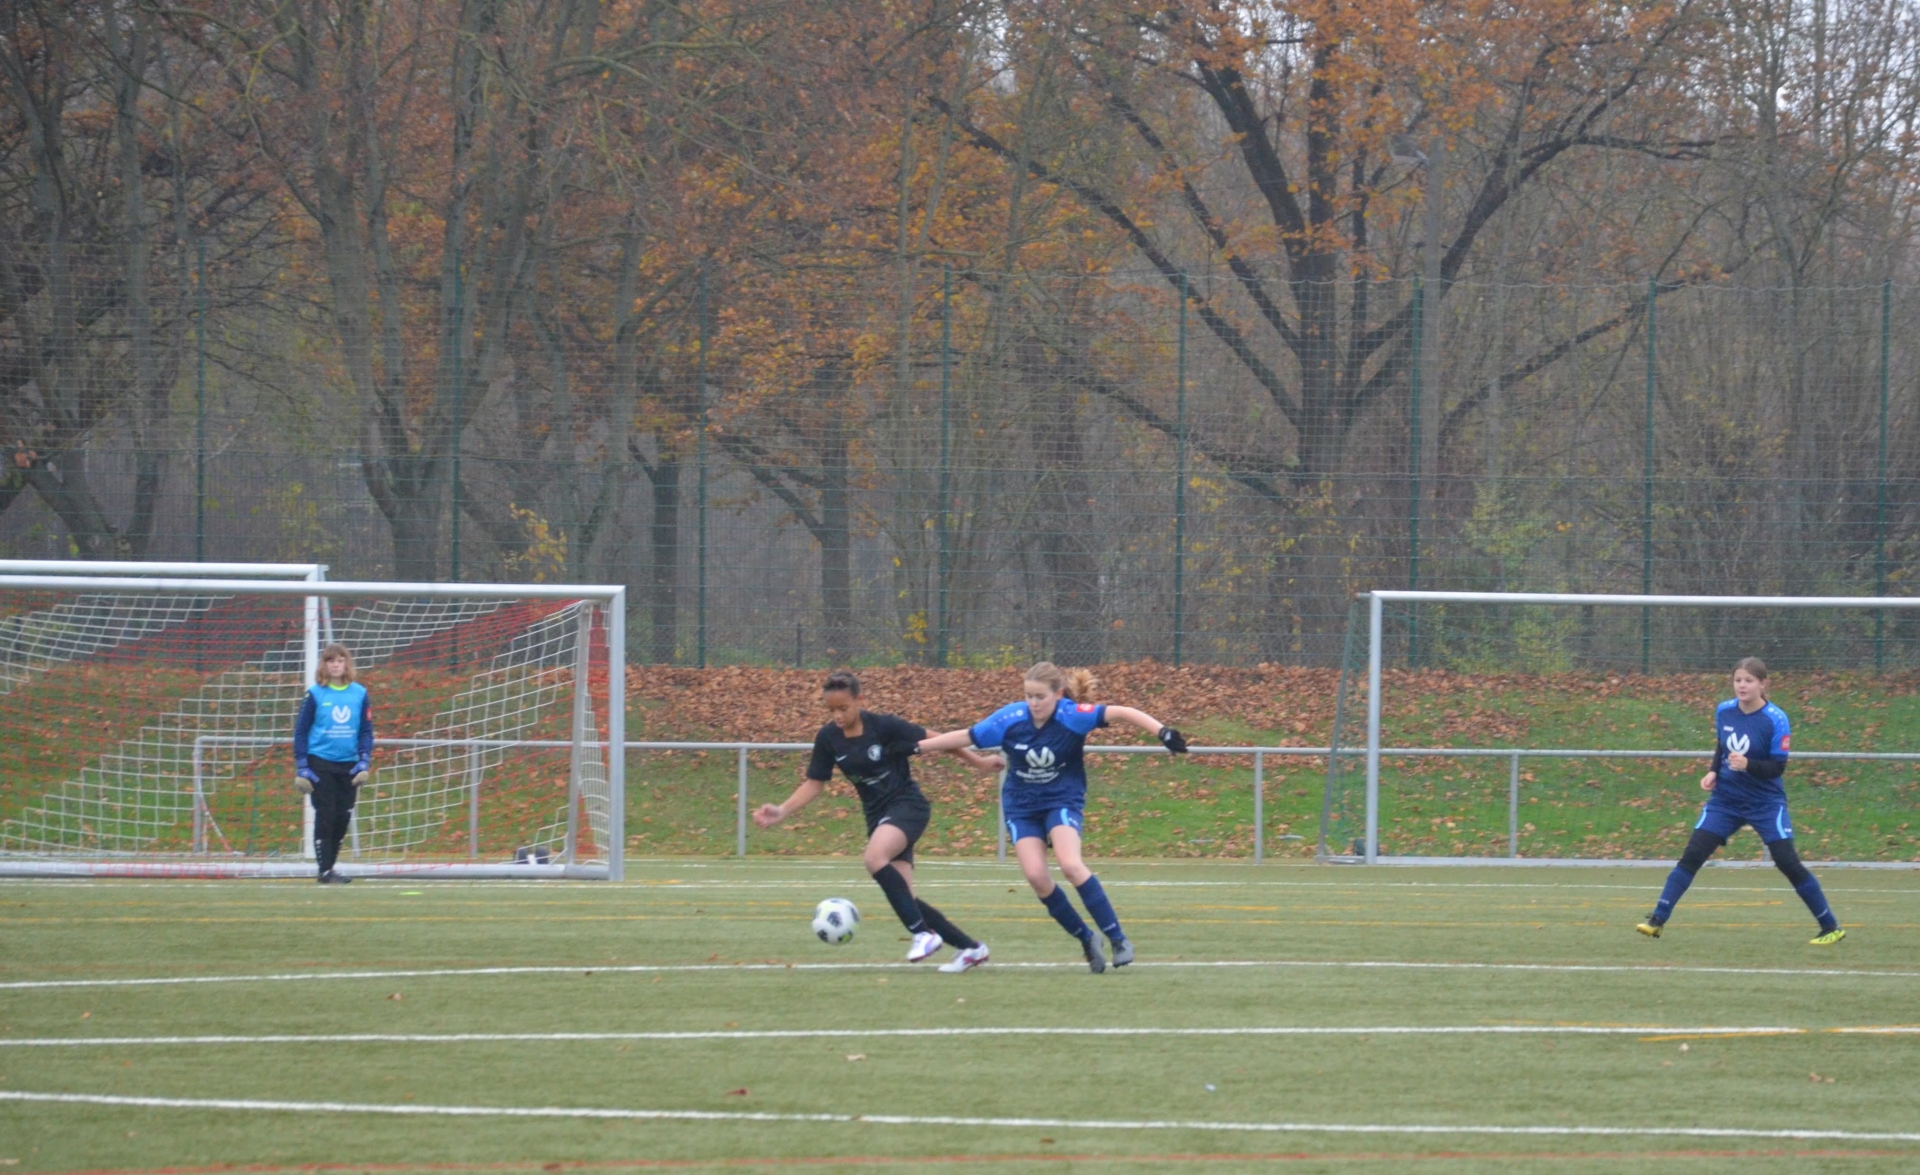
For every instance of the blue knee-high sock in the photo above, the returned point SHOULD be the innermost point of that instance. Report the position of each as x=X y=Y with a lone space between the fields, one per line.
x=1809 y=891
x=1064 y=913
x=1677 y=883
x=1095 y=896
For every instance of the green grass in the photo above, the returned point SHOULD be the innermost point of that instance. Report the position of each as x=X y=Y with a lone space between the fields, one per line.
x=709 y=912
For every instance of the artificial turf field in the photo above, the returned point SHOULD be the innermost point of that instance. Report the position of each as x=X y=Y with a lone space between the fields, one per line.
x=1287 y=1003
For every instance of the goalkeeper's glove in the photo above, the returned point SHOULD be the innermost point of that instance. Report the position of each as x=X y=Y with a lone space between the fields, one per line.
x=304 y=779
x=1173 y=740
x=360 y=773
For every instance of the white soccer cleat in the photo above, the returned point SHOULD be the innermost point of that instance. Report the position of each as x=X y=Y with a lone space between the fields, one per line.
x=925 y=944
x=966 y=960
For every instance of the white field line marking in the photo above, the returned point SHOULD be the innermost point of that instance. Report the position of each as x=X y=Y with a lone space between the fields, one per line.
x=589 y=1112
x=678 y=968
x=846 y=1033
x=932 y=877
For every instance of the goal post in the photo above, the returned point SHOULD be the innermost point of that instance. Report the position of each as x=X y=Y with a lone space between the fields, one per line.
x=146 y=724
x=1431 y=784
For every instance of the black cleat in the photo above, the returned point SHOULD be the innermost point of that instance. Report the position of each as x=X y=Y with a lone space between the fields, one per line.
x=332 y=878
x=1096 y=959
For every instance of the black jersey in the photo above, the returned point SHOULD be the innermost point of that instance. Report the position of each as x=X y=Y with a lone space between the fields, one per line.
x=878 y=776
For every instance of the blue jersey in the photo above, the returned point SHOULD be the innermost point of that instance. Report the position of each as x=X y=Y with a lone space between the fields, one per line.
x=335 y=724
x=1047 y=764
x=1764 y=737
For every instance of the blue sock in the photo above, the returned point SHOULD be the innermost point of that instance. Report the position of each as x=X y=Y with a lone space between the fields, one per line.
x=1809 y=891
x=1677 y=883
x=1064 y=913
x=1095 y=897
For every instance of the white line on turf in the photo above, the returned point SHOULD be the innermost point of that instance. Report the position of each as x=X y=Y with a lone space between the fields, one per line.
x=593 y=1112
x=679 y=968
x=932 y=872
x=848 y=1033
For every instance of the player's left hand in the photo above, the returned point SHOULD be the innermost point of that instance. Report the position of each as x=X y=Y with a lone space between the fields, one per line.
x=768 y=815
x=1737 y=761
x=1173 y=740
x=361 y=776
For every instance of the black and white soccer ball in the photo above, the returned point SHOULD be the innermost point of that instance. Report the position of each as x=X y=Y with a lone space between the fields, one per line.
x=531 y=855
x=835 y=920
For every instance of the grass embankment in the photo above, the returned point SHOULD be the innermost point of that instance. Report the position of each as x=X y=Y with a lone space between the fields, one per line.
x=1203 y=806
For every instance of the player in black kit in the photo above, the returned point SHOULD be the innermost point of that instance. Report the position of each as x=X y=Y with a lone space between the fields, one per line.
x=874 y=751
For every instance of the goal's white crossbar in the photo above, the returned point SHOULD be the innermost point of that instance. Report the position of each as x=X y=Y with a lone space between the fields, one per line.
x=165 y=585
x=188 y=579
x=1376 y=601
x=1867 y=603
x=70 y=567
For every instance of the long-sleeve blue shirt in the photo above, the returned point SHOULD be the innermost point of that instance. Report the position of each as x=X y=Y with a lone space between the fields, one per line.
x=335 y=724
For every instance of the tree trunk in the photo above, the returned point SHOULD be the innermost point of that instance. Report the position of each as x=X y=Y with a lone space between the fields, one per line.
x=836 y=542
x=663 y=587
x=1073 y=629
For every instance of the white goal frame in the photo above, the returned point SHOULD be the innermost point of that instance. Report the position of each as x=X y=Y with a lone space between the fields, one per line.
x=1376 y=606
x=308 y=580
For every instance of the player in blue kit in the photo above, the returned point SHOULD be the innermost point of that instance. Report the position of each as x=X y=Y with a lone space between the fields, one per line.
x=332 y=753
x=1045 y=790
x=1752 y=741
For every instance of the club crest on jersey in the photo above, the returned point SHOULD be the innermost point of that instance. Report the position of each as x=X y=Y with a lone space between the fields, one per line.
x=342 y=713
x=873 y=752
x=1041 y=767
x=1739 y=743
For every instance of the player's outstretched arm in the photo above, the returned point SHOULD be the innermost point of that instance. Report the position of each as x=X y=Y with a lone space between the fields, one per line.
x=976 y=759
x=769 y=815
x=1170 y=738
x=953 y=740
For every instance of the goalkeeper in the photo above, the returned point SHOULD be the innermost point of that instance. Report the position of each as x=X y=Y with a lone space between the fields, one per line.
x=332 y=752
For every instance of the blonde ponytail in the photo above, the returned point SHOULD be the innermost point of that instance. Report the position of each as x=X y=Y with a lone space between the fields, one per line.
x=1077 y=684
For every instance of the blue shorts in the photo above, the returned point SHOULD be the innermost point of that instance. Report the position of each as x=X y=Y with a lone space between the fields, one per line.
x=1723 y=818
x=1041 y=823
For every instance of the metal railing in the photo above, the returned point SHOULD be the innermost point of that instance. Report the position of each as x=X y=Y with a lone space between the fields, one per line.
x=742 y=750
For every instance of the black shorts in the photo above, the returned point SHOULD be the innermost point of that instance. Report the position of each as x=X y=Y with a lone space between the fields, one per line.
x=909 y=812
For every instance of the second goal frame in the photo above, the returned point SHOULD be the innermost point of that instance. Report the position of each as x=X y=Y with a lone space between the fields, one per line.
x=1376 y=602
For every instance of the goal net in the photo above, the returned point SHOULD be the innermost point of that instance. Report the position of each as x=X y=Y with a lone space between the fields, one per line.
x=1482 y=727
x=146 y=726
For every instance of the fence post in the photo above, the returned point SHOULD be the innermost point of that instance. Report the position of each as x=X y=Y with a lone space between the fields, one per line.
x=946 y=453
x=1413 y=466
x=199 y=801
x=1259 y=807
x=1373 y=728
x=1000 y=821
x=459 y=321
x=200 y=413
x=473 y=801
x=1646 y=492
x=1513 y=806
x=1180 y=481
x=740 y=804
x=700 y=611
x=1880 y=501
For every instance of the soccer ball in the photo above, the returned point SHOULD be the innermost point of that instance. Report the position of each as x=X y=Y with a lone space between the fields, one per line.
x=835 y=920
